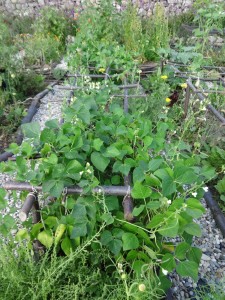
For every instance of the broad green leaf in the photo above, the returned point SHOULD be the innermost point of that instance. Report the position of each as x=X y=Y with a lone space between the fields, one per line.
x=46 y=238
x=170 y=229
x=150 y=252
x=112 y=151
x=47 y=136
x=138 y=210
x=140 y=191
x=51 y=221
x=168 y=186
x=181 y=250
x=137 y=267
x=112 y=203
x=188 y=268
x=74 y=166
x=106 y=237
x=168 y=262
x=54 y=187
x=79 y=213
x=194 y=208
x=154 y=164
x=156 y=221
x=79 y=230
x=66 y=246
x=221 y=186
x=22 y=234
x=107 y=218
x=130 y=241
x=195 y=254
x=124 y=169
x=153 y=205
x=99 y=161
x=147 y=141
x=115 y=179
x=31 y=130
x=193 y=229
x=53 y=124
x=115 y=246
x=138 y=174
x=97 y=143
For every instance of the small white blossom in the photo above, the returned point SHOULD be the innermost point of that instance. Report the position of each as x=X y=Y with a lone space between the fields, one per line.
x=205 y=189
x=165 y=272
x=169 y=202
x=81 y=173
x=194 y=194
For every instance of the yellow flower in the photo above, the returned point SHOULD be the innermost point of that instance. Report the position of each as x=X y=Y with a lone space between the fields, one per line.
x=164 y=77
x=183 y=85
x=168 y=100
x=101 y=70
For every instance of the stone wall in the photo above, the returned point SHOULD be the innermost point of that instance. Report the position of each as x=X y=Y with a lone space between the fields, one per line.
x=146 y=7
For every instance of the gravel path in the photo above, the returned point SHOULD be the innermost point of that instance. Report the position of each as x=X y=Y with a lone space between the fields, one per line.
x=212 y=267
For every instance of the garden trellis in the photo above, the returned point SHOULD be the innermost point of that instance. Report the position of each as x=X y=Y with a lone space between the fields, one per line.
x=31 y=201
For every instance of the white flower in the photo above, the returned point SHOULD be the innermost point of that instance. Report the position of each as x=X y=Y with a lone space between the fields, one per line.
x=81 y=173
x=120 y=266
x=169 y=202
x=165 y=272
x=194 y=194
x=142 y=287
x=89 y=171
x=205 y=189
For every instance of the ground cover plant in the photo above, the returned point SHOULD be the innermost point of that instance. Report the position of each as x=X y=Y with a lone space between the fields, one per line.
x=98 y=144
x=27 y=43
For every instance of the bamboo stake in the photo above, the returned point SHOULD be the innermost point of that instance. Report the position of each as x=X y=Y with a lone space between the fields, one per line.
x=107 y=190
x=27 y=206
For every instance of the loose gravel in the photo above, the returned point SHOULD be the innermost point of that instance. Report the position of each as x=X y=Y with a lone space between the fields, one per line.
x=212 y=244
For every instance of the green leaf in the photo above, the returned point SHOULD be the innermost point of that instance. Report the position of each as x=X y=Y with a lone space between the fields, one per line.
x=153 y=205
x=106 y=237
x=221 y=186
x=79 y=230
x=140 y=191
x=138 y=174
x=31 y=130
x=147 y=141
x=107 y=218
x=168 y=262
x=170 y=229
x=3 y=202
x=53 y=124
x=51 y=221
x=188 y=268
x=194 y=208
x=112 y=151
x=112 y=203
x=115 y=179
x=154 y=164
x=124 y=169
x=22 y=234
x=181 y=250
x=195 y=255
x=138 y=210
x=47 y=136
x=193 y=229
x=66 y=246
x=54 y=187
x=46 y=238
x=97 y=143
x=99 y=161
x=79 y=213
x=130 y=241
x=168 y=186
x=74 y=167
x=115 y=246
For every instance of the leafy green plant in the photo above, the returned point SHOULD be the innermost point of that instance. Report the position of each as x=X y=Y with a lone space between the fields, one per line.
x=95 y=148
